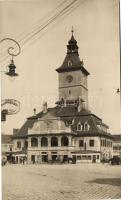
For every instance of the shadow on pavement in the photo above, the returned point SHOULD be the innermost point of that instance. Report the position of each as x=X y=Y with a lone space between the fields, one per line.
x=107 y=181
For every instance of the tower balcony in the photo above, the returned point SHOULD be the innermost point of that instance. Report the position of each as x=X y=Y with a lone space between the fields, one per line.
x=66 y=102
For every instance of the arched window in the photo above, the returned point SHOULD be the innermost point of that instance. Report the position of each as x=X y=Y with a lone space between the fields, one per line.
x=69 y=91
x=69 y=63
x=44 y=142
x=54 y=141
x=79 y=126
x=64 y=141
x=83 y=126
x=34 y=142
x=86 y=126
x=18 y=144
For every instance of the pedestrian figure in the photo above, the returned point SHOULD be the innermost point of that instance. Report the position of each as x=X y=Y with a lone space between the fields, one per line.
x=23 y=161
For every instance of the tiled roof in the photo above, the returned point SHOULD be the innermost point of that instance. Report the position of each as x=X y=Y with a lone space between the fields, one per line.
x=76 y=64
x=51 y=113
x=6 y=139
x=89 y=133
x=117 y=138
x=73 y=57
x=24 y=129
x=66 y=114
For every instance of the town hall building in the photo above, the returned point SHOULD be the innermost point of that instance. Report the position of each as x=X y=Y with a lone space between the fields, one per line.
x=68 y=130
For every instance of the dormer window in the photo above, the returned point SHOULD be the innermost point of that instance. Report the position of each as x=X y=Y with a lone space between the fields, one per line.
x=83 y=126
x=79 y=126
x=70 y=122
x=86 y=126
x=69 y=63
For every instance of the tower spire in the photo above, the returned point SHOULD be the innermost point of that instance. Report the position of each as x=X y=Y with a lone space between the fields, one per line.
x=72 y=47
x=72 y=30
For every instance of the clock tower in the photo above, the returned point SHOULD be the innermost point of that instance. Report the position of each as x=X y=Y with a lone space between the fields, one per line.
x=72 y=77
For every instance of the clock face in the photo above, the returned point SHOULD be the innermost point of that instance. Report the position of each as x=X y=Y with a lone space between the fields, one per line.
x=69 y=78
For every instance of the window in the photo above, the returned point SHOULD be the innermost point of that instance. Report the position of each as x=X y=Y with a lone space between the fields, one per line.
x=64 y=141
x=10 y=148
x=79 y=126
x=85 y=157
x=69 y=63
x=115 y=148
x=98 y=157
x=88 y=157
x=69 y=122
x=18 y=144
x=91 y=143
x=54 y=152
x=86 y=127
x=83 y=126
x=78 y=157
x=54 y=142
x=81 y=143
x=26 y=144
x=34 y=142
x=44 y=142
x=43 y=152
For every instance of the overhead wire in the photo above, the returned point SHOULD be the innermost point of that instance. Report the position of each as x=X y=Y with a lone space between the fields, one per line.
x=65 y=14
x=52 y=19
x=25 y=33
x=23 y=39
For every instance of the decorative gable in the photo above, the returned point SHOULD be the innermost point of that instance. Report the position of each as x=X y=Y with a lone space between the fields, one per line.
x=49 y=126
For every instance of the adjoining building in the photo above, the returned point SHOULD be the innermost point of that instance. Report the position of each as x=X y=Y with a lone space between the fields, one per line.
x=6 y=147
x=19 y=151
x=116 y=145
x=68 y=130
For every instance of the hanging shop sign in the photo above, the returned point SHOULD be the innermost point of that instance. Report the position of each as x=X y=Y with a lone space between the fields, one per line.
x=11 y=105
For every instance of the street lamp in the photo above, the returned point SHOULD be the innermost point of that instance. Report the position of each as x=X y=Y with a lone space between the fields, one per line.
x=11 y=73
x=11 y=51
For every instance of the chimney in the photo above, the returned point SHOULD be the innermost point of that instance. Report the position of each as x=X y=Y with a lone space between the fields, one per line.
x=34 y=111
x=44 y=107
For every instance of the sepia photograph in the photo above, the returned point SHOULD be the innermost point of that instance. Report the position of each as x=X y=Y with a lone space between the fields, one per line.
x=60 y=99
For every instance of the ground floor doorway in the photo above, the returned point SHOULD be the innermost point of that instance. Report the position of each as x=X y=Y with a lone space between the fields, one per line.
x=65 y=158
x=54 y=157
x=94 y=159
x=33 y=158
x=44 y=158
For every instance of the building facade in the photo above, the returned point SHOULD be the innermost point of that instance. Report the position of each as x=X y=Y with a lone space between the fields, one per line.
x=68 y=130
x=6 y=146
x=117 y=145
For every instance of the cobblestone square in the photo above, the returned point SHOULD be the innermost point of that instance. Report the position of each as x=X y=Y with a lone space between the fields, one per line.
x=61 y=182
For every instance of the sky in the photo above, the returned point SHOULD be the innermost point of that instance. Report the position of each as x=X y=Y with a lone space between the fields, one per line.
x=96 y=29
